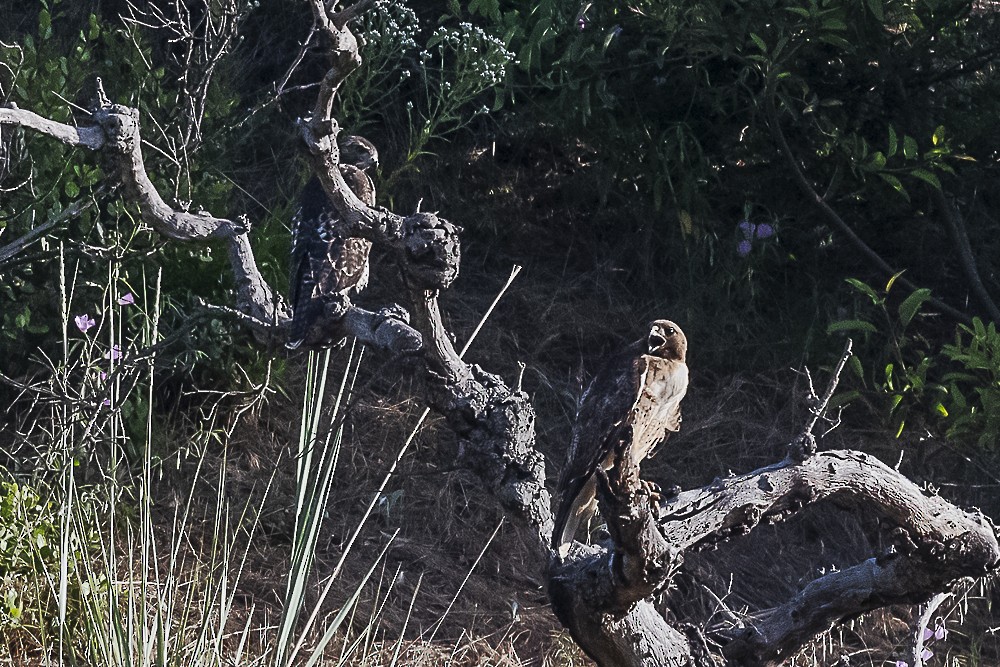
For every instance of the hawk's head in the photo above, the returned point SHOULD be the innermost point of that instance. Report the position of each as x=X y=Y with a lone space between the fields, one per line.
x=666 y=340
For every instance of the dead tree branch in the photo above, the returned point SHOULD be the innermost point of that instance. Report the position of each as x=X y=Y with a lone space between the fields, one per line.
x=967 y=260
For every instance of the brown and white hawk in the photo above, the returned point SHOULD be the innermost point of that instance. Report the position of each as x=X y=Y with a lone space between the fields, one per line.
x=636 y=395
x=325 y=265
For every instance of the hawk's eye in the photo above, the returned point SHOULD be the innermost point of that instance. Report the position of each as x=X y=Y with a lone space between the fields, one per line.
x=671 y=331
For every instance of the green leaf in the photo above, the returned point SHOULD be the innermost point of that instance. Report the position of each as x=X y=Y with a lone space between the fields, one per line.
x=801 y=11
x=864 y=289
x=909 y=147
x=875 y=6
x=892 y=281
x=911 y=304
x=851 y=325
x=856 y=366
x=72 y=189
x=927 y=176
x=896 y=184
x=759 y=42
x=893 y=142
x=836 y=40
x=938 y=137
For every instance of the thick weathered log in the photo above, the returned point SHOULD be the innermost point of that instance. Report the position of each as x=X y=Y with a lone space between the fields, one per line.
x=940 y=544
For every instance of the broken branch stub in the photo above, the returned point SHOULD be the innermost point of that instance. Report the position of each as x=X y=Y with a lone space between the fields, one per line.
x=432 y=251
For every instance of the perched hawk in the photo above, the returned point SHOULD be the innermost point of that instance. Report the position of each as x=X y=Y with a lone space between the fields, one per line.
x=636 y=395
x=325 y=265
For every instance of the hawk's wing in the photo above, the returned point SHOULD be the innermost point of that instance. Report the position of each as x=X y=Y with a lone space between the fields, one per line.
x=312 y=242
x=323 y=263
x=603 y=420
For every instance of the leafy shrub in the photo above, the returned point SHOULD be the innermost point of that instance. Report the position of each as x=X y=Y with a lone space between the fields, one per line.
x=974 y=389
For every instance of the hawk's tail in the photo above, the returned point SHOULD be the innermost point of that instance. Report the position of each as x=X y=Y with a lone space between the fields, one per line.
x=578 y=505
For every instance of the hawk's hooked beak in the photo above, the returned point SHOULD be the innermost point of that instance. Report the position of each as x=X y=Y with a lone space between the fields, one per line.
x=656 y=340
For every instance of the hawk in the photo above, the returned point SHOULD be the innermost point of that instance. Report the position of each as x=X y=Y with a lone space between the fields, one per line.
x=636 y=395
x=325 y=265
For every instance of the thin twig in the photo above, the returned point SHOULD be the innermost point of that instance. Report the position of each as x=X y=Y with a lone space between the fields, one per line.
x=819 y=410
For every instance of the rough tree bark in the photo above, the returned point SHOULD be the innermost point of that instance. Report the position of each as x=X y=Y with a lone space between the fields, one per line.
x=602 y=593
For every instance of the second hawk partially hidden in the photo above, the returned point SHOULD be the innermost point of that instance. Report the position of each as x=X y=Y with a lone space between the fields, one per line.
x=324 y=264
x=636 y=396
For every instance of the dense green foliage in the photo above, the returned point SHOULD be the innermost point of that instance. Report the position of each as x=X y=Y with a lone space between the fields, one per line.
x=680 y=110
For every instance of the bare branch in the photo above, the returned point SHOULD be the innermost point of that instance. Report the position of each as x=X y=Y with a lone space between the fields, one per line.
x=88 y=137
x=18 y=245
x=804 y=445
x=956 y=226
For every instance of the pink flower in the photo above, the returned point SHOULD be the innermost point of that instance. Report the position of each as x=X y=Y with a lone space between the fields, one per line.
x=103 y=376
x=114 y=354
x=84 y=322
x=106 y=402
x=127 y=300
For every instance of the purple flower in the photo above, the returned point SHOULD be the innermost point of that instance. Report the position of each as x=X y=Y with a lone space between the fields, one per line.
x=114 y=354
x=106 y=402
x=926 y=654
x=750 y=231
x=928 y=634
x=126 y=300
x=84 y=322
x=581 y=23
x=940 y=632
x=900 y=663
x=103 y=376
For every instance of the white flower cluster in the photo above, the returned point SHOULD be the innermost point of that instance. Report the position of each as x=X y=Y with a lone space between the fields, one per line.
x=483 y=54
x=392 y=26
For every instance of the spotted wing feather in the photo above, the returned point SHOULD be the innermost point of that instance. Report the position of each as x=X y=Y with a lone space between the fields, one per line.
x=323 y=263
